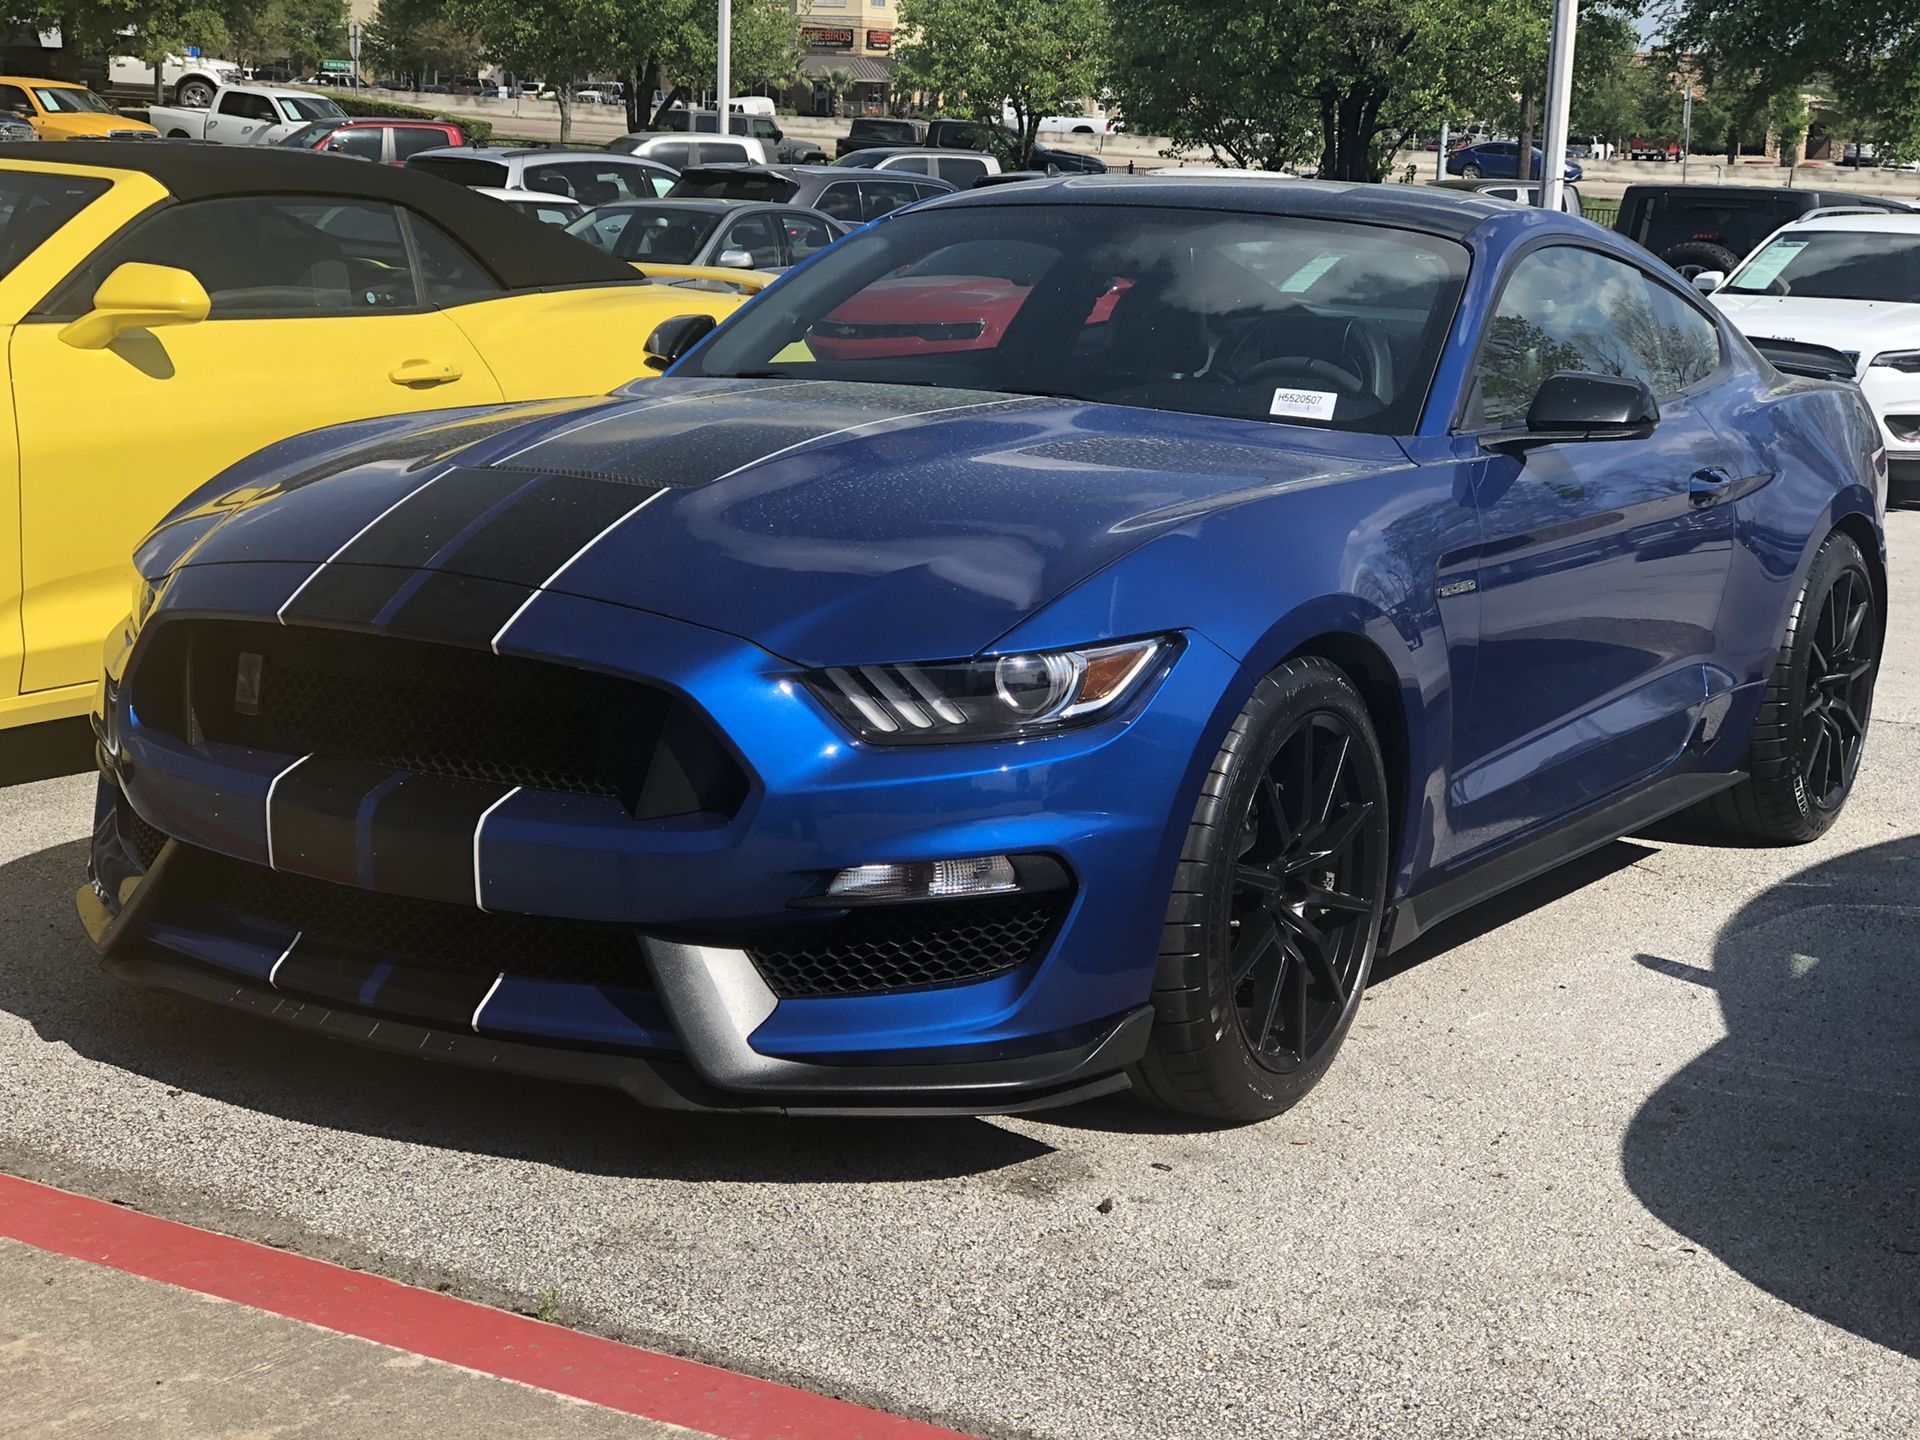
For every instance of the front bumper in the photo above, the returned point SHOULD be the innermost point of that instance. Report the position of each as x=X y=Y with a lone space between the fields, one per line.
x=696 y=1023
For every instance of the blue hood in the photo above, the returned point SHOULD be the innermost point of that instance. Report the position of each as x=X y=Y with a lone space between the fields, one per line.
x=827 y=522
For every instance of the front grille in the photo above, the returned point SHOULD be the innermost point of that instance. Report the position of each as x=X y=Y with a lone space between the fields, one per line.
x=427 y=934
x=142 y=839
x=434 y=710
x=904 y=947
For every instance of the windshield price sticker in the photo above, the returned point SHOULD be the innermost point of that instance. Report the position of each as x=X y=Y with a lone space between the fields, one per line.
x=1303 y=404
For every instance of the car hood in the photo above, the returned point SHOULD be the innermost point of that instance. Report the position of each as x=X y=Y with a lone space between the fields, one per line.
x=86 y=127
x=1853 y=327
x=830 y=523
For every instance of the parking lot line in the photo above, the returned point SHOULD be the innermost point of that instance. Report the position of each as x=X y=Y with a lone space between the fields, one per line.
x=493 y=1342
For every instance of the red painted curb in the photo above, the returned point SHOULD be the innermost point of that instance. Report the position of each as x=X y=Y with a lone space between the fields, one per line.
x=513 y=1347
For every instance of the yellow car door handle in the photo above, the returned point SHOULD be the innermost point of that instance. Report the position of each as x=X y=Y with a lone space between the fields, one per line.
x=424 y=372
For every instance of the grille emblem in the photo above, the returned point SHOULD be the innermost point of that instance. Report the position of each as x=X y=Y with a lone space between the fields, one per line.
x=246 y=684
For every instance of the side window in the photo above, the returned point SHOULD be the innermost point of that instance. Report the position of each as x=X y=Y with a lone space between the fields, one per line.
x=755 y=235
x=265 y=257
x=722 y=152
x=1564 y=308
x=915 y=163
x=448 y=274
x=840 y=202
x=880 y=197
x=364 y=141
x=1690 y=346
x=673 y=152
x=14 y=100
x=956 y=170
x=659 y=182
x=412 y=139
x=806 y=235
x=236 y=104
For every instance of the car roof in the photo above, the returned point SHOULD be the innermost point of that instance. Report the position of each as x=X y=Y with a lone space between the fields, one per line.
x=1890 y=221
x=390 y=120
x=719 y=205
x=1409 y=207
x=1814 y=197
x=40 y=80
x=914 y=150
x=522 y=253
x=508 y=192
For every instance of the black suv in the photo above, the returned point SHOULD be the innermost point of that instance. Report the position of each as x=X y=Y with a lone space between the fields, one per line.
x=705 y=122
x=870 y=133
x=1004 y=145
x=1714 y=227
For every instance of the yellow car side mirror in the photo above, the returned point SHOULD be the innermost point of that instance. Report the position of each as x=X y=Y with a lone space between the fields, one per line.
x=138 y=297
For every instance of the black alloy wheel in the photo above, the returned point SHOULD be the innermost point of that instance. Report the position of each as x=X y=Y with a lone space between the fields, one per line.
x=1839 y=690
x=1301 y=910
x=1812 y=729
x=1277 y=903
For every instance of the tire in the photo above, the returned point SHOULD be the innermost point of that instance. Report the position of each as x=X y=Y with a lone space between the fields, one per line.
x=1806 y=752
x=1691 y=257
x=194 y=92
x=1300 y=767
x=1469 y=172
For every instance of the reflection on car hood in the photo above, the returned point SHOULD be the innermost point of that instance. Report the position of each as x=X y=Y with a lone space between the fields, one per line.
x=829 y=522
x=1862 y=327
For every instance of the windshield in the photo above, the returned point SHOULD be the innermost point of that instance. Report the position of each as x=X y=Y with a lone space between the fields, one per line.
x=310 y=107
x=1250 y=316
x=463 y=171
x=665 y=234
x=1835 y=265
x=308 y=136
x=56 y=101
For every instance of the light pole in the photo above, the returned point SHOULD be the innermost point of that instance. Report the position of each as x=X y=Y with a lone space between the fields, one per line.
x=1566 y=20
x=725 y=77
x=1686 y=131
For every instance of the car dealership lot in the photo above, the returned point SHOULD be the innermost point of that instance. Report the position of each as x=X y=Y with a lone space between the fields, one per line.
x=1639 y=1160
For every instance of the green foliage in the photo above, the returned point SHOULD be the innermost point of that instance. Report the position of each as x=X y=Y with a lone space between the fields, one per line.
x=561 y=41
x=478 y=131
x=414 y=41
x=303 y=31
x=1043 y=57
x=1350 y=80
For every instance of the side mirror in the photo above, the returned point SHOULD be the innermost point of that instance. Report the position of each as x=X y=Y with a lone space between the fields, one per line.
x=138 y=297
x=1708 y=281
x=735 y=260
x=673 y=338
x=1577 y=406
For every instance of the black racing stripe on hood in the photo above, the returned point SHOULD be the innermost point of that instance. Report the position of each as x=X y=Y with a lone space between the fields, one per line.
x=346 y=595
x=459 y=609
x=422 y=525
x=678 y=443
x=533 y=537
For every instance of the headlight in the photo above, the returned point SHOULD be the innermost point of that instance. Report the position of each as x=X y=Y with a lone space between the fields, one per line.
x=999 y=698
x=1907 y=362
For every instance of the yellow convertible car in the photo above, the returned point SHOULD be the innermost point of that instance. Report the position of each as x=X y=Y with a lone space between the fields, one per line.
x=167 y=309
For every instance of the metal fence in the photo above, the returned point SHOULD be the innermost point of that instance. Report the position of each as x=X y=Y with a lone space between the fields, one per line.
x=1601 y=212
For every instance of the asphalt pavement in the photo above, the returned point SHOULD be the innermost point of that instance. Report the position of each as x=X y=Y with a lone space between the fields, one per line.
x=1633 y=1152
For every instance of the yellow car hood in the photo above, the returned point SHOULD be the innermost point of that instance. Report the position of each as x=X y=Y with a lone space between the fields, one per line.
x=87 y=127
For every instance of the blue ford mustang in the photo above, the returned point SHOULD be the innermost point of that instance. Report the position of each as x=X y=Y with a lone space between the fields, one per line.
x=1050 y=643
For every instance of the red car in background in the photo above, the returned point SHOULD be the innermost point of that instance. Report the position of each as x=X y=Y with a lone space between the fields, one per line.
x=961 y=298
x=384 y=141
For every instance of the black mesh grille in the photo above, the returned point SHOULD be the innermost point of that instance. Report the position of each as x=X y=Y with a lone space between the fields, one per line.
x=423 y=933
x=900 y=947
x=434 y=709
x=142 y=839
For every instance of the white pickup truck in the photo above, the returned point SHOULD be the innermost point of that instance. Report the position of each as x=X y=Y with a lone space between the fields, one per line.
x=245 y=115
x=189 y=82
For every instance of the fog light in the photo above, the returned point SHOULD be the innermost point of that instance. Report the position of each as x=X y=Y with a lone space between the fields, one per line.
x=926 y=880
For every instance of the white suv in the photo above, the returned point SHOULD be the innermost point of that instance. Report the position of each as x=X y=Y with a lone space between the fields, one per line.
x=1851 y=283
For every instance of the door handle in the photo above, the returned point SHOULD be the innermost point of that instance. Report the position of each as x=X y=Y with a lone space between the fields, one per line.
x=424 y=372
x=1706 y=486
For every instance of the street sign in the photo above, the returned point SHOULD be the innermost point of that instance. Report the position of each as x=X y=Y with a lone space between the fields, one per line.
x=193 y=52
x=353 y=41
x=337 y=67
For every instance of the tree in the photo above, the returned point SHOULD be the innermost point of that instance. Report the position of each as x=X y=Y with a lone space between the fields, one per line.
x=1867 y=49
x=306 y=31
x=561 y=41
x=1036 y=57
x=414 y=40
x=1272 y=83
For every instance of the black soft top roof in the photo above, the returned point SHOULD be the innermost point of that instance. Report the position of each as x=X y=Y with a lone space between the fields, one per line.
x=522 y=253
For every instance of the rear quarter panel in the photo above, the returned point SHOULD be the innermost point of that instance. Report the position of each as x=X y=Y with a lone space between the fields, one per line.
x=1808 y=451
x=545 y=345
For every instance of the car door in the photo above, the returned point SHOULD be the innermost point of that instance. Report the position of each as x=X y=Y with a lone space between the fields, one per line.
x=755 y=234
x=803 y=235
x=318 y=316
x=1605 y=561
x=238 y=117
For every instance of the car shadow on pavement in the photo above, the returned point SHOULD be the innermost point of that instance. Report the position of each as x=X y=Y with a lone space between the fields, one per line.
x=49 y=977
x=40 y=752
x=1790 y=1150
